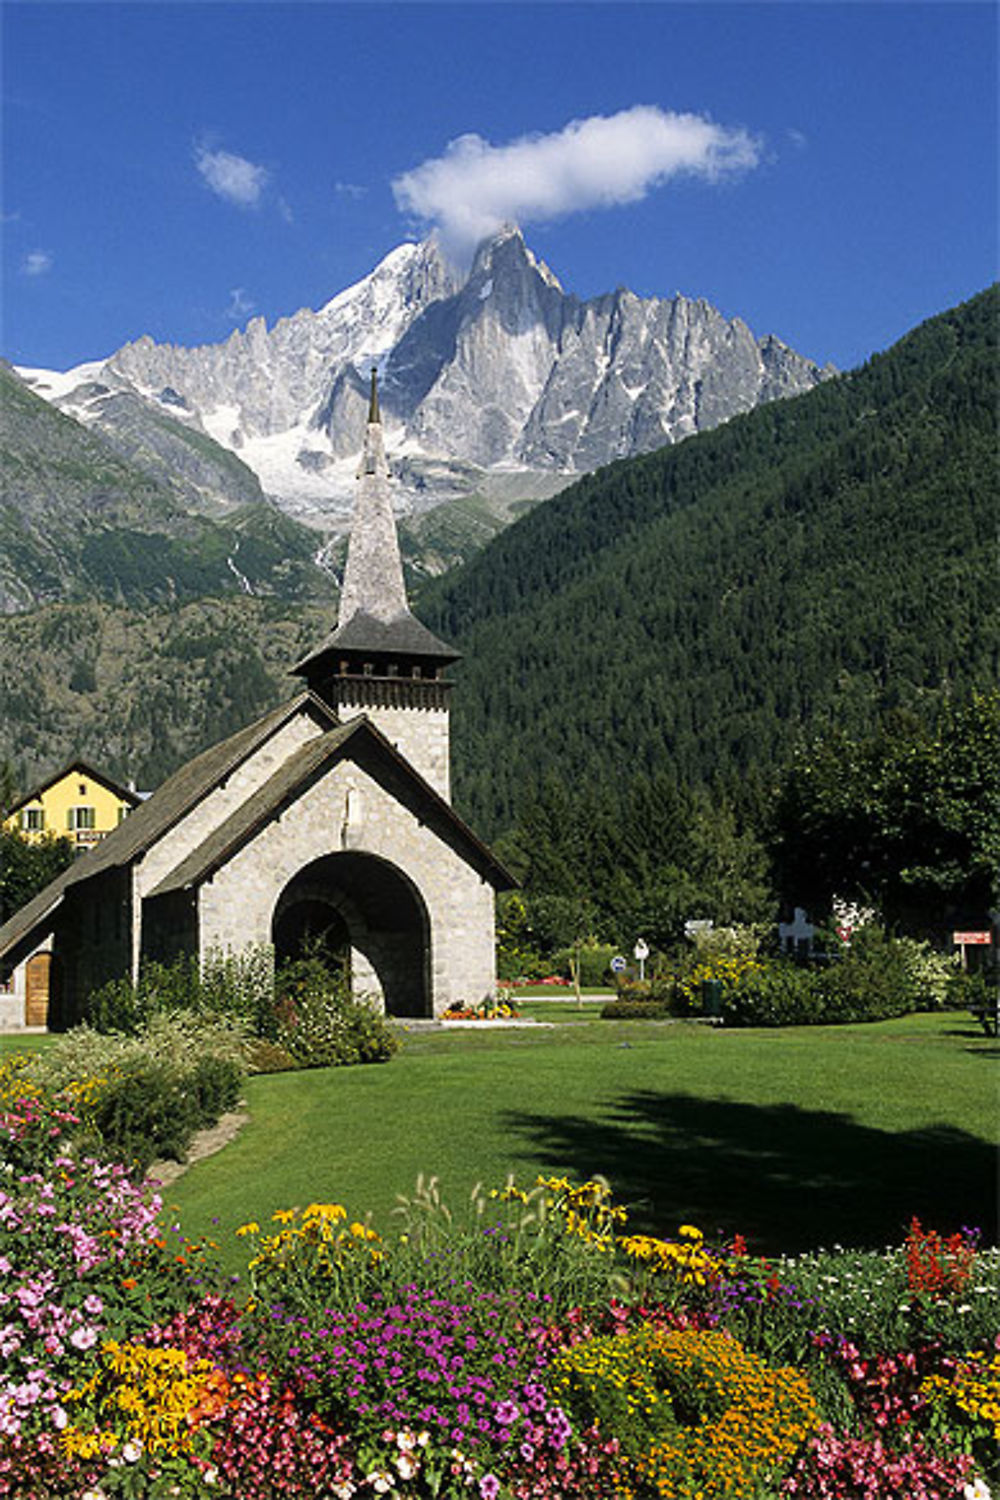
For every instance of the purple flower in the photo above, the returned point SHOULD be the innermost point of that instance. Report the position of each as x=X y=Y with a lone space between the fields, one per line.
x=489 y=1487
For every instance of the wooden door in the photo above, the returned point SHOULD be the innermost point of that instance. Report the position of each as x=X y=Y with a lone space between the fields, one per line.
x=36 y=990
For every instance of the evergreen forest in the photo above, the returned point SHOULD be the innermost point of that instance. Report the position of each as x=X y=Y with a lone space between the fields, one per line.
x=813 y=564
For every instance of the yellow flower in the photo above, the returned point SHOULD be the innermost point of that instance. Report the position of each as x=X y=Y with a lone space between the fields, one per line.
x=252 y=1228
x=326 y=1212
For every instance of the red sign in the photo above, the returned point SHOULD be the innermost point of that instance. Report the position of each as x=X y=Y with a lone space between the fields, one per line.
x=970 y=939
x=844 y=933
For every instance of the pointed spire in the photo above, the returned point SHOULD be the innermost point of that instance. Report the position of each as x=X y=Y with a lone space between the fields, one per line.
x=373 y=576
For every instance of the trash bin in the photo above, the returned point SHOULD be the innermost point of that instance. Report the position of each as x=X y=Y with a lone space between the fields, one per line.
x=711 y=997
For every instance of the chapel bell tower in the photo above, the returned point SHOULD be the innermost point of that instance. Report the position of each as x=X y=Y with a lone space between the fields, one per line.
x=380 y=660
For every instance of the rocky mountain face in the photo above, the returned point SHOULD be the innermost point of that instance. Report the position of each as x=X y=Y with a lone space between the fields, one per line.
x=495 y=383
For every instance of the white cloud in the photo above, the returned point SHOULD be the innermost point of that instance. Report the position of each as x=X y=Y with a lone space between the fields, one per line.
x=232 y=177
x=240 y=305
x=349 y=189
x=37 y=263
x=475 y=188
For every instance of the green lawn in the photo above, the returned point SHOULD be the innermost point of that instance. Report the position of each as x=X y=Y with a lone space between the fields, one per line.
x=25 y=1041
x=798 y=1138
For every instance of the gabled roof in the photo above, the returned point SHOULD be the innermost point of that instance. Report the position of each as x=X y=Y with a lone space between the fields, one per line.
x=33 y=914
x=299 y=772
x=84 y=768
x=160 y=812
x=190 y=785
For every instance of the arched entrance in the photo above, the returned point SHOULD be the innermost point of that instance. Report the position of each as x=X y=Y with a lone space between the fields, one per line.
x=361 y=906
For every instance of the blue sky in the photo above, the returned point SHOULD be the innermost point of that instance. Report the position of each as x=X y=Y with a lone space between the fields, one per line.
x=173 y=169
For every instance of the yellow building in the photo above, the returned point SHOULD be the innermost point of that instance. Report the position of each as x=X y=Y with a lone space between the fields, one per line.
x=75 y=803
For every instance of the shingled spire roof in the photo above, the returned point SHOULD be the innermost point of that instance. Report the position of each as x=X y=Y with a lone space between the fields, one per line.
x=374 y=615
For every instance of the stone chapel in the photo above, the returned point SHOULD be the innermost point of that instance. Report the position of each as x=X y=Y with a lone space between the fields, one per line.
x=330 y=816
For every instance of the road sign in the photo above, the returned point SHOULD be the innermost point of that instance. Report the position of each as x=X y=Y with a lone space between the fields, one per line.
x=617 y=964
x=641 y=951
x=972 y=939
x=702 y=924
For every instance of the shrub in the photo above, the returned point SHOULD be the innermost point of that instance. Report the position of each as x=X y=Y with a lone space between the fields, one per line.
x=144 y=1112
x=634 y=1009
x=928 y=973
x=144 y=1096
x=125 y=1007
x=321 y=1024
x=239 y=986
x=779 y=993
x=263 y=1056
x=970 y=992
x=872 y=982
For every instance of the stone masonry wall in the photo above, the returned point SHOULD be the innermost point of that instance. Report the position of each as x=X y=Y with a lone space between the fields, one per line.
x=349 y=810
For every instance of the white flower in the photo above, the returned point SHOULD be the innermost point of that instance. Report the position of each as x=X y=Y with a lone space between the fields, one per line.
x=132 y=1451
x=977 y=1490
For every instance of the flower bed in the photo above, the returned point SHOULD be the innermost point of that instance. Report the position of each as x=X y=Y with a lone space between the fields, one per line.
x=529 y=1346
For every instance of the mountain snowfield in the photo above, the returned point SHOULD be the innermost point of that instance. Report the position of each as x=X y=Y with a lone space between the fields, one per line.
x=493 y=382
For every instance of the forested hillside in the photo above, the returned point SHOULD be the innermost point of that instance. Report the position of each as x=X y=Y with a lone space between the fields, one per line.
x=83 y=519
x=693 y=613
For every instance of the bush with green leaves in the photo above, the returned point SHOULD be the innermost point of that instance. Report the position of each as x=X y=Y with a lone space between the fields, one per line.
x=239 y=985
x=779 y=993
x=875 y=979
x=872 y=982
x=322 y=1024
x=929 y=973
x=143 y=1097
x=629 y=1008
x=971 y=992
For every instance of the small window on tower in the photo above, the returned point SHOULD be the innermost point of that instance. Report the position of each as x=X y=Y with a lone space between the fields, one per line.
x=392 y=670
x=415 y=672
x=367 y=669
x=83 y=788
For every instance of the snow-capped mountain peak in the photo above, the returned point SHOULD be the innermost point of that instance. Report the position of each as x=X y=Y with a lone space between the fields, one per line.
x=492 y=370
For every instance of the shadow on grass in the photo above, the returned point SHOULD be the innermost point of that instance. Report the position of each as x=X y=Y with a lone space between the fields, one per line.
x=789 y=1179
